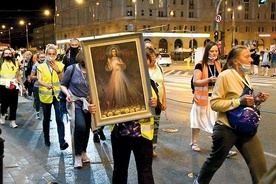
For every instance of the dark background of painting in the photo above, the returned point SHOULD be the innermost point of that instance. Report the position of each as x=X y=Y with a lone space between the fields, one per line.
x=128 y=54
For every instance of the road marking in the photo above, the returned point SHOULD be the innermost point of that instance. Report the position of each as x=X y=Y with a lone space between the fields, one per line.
x=270 y=154
x=261 y=84
x=177 y=73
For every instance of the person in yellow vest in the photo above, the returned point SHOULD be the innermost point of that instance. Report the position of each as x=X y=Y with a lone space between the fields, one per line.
x=10 y=82
x=49 y=76
x=133 y=136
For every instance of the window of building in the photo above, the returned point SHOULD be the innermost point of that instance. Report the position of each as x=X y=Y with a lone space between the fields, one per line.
x=258 y=16
x=273 y=29
x=182 y=2
x=246 y=16
x=172 y=13
x=142 y=12
x=191 y=4
x=150 y=12
x=185 y=28
x=191 y=14
x=160 y=14
x=129 y=13
x=126 y=27
x=161 y=3
x=207 y=28
x=246 y=7
x=193 y=28
x=174 y=1
x=182 y=14
x=273 y=7
x=261 y=29
x=247 y=29
x=272 y=16
x=179 y=27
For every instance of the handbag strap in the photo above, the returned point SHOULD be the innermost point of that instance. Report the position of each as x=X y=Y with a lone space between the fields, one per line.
x=245 y=80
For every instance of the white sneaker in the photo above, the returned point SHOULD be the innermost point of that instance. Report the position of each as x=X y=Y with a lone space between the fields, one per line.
x=84 y=158
x=37 y=116
x=78 y=162
x=3 y=118
x=13 y=125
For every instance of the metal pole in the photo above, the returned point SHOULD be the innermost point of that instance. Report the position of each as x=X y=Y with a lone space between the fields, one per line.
x=10 y=36
x=233 y=27
x=223 y=29
x=135 y=13
x=27 y=36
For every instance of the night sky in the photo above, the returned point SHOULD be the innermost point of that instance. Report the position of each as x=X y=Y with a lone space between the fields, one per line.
x=31 y=11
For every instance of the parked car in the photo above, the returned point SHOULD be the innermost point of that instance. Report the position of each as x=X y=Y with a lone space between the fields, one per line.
x=164 y=59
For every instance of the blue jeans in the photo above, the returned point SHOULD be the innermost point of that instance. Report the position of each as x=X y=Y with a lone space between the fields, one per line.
x=82 y=130
x=142 y=150
x=36 y=99
x=46 y=121
x=224 y=138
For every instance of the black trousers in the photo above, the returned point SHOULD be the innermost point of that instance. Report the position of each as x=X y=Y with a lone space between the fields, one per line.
x=9 y=99
x=142 y=150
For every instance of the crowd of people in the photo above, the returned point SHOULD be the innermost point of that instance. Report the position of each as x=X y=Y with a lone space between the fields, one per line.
x=65 y=86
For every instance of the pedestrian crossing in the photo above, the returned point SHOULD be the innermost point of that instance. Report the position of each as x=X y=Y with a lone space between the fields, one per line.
x=180 y=80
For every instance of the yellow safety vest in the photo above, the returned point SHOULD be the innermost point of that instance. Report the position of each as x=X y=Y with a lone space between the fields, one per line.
x=146 y=124
x=49 y=77
x=8 y=72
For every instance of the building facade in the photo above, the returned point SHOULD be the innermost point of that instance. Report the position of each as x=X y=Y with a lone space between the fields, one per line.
x=192 y=20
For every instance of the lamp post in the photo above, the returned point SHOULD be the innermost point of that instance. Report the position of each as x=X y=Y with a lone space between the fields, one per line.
x=234 y=24
x=22 y=22
x=135 y=14
x=9 y=31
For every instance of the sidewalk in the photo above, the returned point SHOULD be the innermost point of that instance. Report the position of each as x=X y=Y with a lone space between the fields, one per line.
x=19 y=166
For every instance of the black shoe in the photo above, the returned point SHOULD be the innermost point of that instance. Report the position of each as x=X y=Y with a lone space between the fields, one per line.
x=65 y=145
x=102 y=136
x=47 y=143
x=96 y=138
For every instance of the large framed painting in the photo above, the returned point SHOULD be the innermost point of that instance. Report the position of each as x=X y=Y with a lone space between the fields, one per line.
x=118 y=78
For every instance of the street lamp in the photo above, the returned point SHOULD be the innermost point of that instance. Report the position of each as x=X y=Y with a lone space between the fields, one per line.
x=22 y=22
x=233 y=24
x=9 y=30
x=135 y=14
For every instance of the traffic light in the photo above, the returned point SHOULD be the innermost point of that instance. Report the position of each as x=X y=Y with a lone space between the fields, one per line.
x=262 y=2
x=222 y=35
x=216 y=35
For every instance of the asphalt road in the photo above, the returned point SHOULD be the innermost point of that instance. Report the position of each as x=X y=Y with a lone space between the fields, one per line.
x=27 y=160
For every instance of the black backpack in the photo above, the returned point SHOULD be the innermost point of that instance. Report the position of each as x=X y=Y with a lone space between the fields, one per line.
x=192 y=85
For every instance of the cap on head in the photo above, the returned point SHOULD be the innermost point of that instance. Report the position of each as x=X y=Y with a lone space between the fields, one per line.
x=40 y=47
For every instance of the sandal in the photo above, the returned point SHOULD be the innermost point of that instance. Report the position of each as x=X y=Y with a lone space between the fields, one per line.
x=195 y=147
x=231 y=154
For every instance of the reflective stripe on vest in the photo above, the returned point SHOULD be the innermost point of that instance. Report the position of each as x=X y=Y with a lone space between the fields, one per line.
x=8 y=72
x=147 y=127
x=201 y=92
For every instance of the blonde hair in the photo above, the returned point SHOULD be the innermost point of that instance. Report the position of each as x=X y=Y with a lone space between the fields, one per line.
x=49 y=47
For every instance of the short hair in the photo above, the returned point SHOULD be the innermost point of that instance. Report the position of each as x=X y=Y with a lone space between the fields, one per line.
x=50 y=46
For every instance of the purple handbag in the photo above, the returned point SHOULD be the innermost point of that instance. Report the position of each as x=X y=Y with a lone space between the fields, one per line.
x=245 y=119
